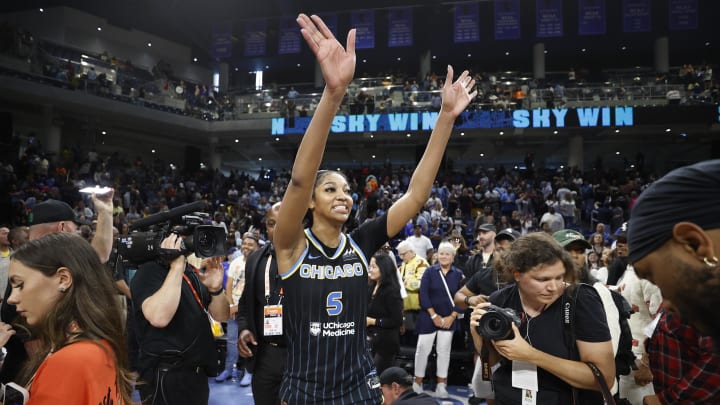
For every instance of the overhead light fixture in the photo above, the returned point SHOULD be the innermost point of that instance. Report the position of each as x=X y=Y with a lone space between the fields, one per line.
x=617 y=153
x=194 y=59
x=408 y=135
x=42 y=10
x=482 y=155
x=260 y=159
x=149 y=44
x=104 y=133
x=583 y=50
x=237 y=140
x=99 y=28
x=502 y=132
x=277 y=139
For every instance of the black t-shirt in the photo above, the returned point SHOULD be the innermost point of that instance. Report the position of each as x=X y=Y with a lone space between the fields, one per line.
x=545 y=332
x=187 y=337
x=476 y=264
x=485 y=282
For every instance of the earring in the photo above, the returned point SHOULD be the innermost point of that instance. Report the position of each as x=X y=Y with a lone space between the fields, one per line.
x=61 y=289
x=709 y=262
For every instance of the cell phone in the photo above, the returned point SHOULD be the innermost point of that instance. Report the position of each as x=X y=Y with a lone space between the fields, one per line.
x=97 y=190
x=13 y=394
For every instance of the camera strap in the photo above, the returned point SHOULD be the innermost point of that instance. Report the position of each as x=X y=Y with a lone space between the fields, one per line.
x=195 y=293
x=569 y=307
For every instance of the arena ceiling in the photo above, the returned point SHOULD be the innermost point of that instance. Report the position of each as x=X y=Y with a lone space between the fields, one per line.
x=191 y=22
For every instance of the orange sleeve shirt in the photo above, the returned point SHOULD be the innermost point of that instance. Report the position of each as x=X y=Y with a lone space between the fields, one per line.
x=81 y=373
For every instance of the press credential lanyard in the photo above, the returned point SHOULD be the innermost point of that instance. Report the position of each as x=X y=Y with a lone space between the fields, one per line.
x=272 y=314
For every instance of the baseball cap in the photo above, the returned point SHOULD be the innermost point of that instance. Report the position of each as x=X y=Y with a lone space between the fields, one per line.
x=396 y=375
x=486 y=228
x=509 y=234
x=50 y=211
x=567 y=236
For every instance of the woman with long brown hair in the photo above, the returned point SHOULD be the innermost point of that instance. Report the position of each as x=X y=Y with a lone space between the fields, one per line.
x=67 y=298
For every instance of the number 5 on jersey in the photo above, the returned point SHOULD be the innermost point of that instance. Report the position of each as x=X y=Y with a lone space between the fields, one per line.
x=334 y=305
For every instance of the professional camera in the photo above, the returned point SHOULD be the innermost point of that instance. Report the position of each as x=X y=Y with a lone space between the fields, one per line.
x=185 y=220
x=497 y=322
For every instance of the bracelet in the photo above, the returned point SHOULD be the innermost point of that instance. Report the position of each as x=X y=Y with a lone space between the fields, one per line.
x=467 y=300
x=433 y=316
x=216 y=293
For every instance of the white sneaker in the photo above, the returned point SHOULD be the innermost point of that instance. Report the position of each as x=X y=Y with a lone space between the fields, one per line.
x=441 y=390
x=417 y=388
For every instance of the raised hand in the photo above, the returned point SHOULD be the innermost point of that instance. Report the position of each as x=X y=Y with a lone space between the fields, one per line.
x=337 y=63
x=457 y=96
x=213 y=276
x=103 y=203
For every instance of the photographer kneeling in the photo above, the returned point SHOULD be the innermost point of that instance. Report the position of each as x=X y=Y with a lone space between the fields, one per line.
x=177 y=348
x=541 y=359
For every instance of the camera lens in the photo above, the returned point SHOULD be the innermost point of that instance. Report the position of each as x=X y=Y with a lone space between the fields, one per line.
x=496 y=324
x=208 y=241
x=205 y=243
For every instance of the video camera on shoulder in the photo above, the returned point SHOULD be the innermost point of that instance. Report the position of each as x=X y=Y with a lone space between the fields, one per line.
x=186 y=220
x=497 y=322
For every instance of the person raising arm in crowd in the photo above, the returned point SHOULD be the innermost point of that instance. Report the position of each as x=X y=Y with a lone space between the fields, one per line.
x=324 y=270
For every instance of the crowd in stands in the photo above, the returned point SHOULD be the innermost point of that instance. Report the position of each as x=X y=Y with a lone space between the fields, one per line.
x=160 y=89
x=509 y=198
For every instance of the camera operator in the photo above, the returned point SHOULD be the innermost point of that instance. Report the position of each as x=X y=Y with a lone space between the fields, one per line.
x=177 y=348
x=537 y=361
